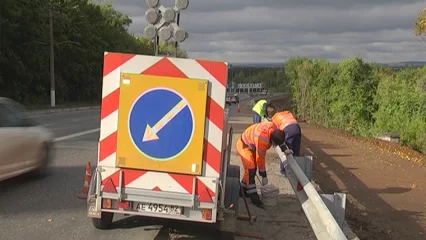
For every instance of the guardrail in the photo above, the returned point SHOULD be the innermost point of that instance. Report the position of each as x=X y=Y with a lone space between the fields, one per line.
x=323 y=223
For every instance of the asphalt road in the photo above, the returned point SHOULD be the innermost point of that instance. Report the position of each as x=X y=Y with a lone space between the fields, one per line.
x=48 y=208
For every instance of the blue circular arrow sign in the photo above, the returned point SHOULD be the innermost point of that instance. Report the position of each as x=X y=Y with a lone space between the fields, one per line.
x=161 y=124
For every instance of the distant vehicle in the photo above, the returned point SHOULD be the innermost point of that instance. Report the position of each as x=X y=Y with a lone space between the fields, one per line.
x=231 y=100
x=25 y=146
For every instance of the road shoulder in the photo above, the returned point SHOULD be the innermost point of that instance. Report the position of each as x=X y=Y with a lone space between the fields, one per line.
x=386 y=195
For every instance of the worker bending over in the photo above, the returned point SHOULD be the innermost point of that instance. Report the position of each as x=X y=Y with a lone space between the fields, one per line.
x=252 y=147
x=259 y=110
x=286 y=122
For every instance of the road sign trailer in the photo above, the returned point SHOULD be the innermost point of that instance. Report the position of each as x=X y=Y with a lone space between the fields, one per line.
x=164 y=150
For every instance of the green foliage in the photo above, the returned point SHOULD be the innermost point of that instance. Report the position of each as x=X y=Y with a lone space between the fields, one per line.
x=364 y=99
x=402 y=106
x=82 y=32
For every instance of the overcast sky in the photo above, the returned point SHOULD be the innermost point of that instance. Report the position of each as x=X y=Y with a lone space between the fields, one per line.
x=274 y=30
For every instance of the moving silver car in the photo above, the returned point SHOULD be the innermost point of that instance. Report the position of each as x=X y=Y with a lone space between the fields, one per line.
x=25 y=146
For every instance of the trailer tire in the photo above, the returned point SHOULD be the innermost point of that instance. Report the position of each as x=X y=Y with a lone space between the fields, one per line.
x=231 y=202
x=104 y=222
x=233 y=171
x=232 y=196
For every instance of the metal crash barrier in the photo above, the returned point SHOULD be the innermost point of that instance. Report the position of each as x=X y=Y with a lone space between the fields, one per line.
x=324 y=212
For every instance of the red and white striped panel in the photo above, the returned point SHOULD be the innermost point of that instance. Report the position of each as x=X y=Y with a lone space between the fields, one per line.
x=215 y=72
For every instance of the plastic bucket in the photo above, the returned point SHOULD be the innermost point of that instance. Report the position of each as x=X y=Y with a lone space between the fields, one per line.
x=269 y=195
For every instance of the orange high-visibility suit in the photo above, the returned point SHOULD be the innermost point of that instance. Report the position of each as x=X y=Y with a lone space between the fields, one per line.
x=286 y=122
x=252 y=147
x=283 y=119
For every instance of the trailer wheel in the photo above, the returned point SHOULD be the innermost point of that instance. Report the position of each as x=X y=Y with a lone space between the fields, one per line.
x=233 y=171
x=104 y=222
x=232 y=193
x=227 y=227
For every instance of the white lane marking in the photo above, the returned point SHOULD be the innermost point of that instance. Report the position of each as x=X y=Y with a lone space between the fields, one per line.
x=67 y=122
x=74 y=135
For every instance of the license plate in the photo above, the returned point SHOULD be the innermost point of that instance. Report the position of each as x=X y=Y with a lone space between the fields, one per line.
x=158 y=208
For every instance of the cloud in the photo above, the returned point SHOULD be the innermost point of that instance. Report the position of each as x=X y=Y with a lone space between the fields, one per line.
x=274 y=30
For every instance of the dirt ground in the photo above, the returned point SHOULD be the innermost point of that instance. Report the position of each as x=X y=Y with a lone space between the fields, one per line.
x=284 y=221
x=384 y=182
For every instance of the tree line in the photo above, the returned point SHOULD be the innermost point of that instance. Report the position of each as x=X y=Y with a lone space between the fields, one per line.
x=364 y=99
x=82 y=32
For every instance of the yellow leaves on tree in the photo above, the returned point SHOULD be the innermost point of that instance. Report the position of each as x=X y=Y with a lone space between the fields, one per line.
x=420 y=24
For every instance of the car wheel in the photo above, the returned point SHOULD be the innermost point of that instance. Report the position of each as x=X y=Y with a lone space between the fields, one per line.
x=45 y=156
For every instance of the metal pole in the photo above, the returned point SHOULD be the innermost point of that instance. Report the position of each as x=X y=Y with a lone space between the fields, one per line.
x=52 y=60
x=176 y=43
x=157 y=45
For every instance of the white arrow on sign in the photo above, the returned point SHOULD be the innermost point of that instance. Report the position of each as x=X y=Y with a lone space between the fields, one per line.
x=151 y=132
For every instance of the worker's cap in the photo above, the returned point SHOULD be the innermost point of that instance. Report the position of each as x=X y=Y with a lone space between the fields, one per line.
x=277 y=137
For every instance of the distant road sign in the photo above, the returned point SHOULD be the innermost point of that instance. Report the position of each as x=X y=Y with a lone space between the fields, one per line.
x=161 y=131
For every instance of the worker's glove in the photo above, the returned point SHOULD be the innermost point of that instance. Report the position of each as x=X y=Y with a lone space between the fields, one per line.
x=288 y=151
x=264 y=181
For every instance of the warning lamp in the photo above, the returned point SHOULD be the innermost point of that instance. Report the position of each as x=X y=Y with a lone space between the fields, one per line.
x=165 y=33
x=181 y=4
x=152 y=15
x=207 y=214
x=123 y=205
x=180 y=34
x=107 y=203
x=169 y=15
x=152 y=3
x=150 y=31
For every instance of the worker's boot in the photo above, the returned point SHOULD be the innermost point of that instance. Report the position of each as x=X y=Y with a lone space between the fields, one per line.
x=255 y=199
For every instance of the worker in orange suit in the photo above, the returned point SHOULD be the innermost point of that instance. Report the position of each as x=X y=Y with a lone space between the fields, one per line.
x=286 y=122
x=252 y=147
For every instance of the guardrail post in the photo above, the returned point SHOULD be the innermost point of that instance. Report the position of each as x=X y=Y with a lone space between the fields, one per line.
x=336 y=203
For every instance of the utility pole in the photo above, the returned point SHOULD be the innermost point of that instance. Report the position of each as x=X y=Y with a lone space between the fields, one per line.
x=52 y=45
x=52 y=59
